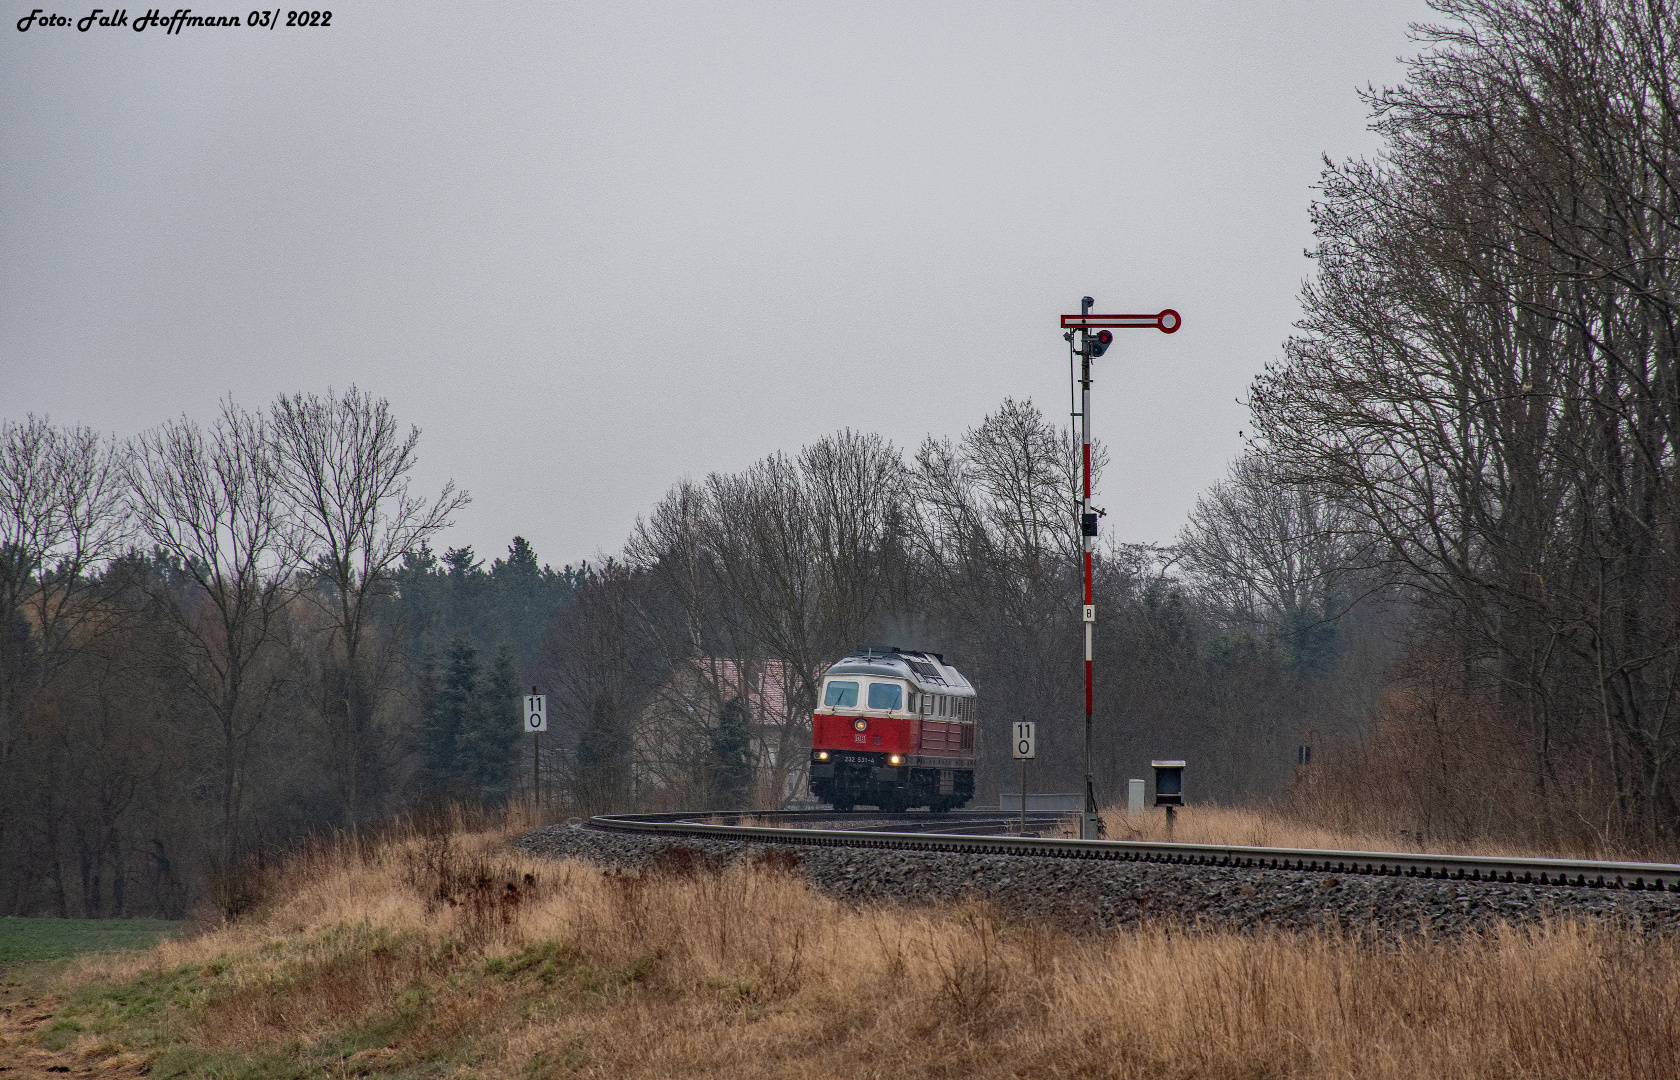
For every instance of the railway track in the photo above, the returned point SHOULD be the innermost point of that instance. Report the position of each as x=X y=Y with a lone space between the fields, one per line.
x=988 y=832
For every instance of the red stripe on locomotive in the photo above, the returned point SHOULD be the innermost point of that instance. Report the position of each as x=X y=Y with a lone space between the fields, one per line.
x=892 y=735
x=887 y=734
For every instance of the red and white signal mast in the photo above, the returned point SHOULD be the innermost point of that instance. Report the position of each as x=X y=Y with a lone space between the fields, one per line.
x=1088 y=337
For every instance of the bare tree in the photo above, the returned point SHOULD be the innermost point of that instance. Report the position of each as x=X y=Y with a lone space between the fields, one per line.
x=1488 y=366
x=603 y=676
x=1263 y=551
x=61 y=515
x=343 y=466
x=1025 y=473
x=779 y=568
x=211 y=501
x=855 y=491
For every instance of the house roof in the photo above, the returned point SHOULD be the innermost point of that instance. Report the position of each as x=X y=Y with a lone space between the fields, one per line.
x=765 y=685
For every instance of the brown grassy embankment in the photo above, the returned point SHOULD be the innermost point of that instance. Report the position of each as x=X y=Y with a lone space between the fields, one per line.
x=453 y=955
x=1277 y=826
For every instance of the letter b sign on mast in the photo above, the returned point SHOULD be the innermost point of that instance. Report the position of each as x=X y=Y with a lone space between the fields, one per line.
x=536 y=712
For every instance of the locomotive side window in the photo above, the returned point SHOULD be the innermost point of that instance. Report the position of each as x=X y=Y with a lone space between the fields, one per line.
x=927 y=704
x=841 y=694
x=886 y=696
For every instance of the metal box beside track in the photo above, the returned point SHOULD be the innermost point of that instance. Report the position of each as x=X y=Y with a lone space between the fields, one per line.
x=1169 y=782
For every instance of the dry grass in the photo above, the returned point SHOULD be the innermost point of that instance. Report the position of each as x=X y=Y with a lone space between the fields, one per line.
x=1264 y=826
x=1210 y=823
x=450 y=954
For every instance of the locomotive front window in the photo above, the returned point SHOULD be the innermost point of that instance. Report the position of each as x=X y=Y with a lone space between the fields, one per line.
x=886 y=696
x=841 y=694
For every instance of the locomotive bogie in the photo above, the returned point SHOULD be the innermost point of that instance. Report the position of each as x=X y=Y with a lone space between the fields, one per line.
x=847 y=781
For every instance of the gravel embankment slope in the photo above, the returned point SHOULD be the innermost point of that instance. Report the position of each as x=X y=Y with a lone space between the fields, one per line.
x=1085 y=894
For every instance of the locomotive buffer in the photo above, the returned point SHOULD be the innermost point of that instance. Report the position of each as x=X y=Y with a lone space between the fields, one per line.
x=1088 y=337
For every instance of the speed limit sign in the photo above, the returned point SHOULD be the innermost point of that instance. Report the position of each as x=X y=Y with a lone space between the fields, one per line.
x=536 y=712
x=1026 y=740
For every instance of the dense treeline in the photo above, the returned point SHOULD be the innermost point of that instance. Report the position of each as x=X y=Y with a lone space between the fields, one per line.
x=218 y=638
x=1487 y=389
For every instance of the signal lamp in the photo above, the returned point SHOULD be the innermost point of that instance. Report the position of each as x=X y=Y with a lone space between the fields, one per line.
x=860 y=723
x=1100 y=342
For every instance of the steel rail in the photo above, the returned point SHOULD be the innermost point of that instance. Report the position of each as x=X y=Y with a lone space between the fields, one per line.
x=1658 y=877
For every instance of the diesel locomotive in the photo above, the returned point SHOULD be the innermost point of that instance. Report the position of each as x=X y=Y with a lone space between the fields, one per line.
x=894 y=729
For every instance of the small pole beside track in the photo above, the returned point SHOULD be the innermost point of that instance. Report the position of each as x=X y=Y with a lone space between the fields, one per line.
x=1025 y=747
x=535 y=720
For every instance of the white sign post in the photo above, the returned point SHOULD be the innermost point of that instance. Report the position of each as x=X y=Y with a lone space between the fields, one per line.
x=1024 y=747
x=536 y=722
x=536 y=712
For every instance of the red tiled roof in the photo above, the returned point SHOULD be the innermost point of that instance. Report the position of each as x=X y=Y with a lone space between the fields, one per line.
x=765 y=684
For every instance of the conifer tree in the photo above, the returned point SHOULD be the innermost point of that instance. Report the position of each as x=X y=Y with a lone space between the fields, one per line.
x=731 y=742
x=472 y=726
x=495 y=729
x=452 y=705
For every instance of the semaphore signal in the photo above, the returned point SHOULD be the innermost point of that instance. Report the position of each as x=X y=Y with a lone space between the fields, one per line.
x=1166 y=320
x=1094 y=334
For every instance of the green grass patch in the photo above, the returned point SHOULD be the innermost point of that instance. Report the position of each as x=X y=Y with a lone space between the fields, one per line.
x=165 y=1015
x=144 y=1002
x=186 y=1063
x=25 y=940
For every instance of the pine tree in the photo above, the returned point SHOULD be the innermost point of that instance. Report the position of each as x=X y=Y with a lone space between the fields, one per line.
x=495 y=730
x=449 y=720
x=473 y=724
x=731 y=764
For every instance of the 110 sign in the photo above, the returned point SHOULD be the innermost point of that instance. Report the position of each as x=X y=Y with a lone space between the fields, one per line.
x=536 y=712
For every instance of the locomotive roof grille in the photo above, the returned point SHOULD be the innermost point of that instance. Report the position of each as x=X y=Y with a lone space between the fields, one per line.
x=926 y=671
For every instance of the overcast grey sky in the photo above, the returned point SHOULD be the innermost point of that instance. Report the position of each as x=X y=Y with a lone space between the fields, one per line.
x=591 y=248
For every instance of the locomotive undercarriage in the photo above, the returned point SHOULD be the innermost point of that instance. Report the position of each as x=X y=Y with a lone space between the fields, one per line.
x=852 y=779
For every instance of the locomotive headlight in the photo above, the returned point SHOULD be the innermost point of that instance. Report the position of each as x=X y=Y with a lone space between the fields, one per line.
x=895 y=759
x=860 y=723
x=822 y=755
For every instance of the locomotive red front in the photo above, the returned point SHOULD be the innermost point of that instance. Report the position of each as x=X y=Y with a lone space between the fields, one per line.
x=894 y=729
